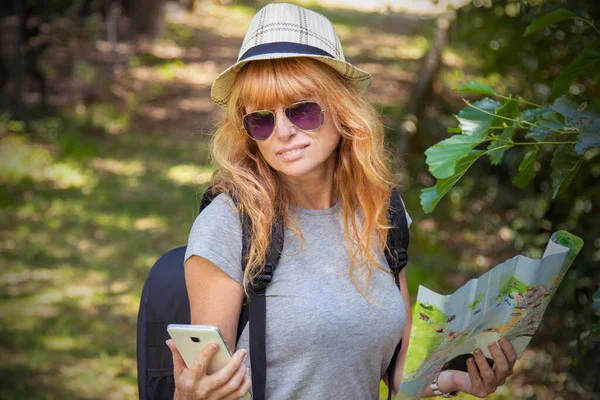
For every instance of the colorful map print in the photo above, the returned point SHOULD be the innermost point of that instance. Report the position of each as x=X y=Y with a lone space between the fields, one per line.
x=507 y=301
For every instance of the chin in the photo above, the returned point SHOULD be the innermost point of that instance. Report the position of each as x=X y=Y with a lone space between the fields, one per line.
x=295 y=172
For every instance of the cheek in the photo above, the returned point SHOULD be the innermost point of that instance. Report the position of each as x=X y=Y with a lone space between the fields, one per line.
x=330 y=137
x=267 y=152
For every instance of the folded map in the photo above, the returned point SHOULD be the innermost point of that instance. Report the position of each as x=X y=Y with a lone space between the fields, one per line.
x=507 y=301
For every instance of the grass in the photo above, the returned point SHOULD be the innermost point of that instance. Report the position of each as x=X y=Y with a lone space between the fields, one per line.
x=82 y=223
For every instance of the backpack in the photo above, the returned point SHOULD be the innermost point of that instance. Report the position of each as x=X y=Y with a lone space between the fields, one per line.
x=165 y=301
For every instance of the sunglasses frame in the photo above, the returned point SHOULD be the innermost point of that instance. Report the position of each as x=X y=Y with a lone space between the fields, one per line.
x=275 y=119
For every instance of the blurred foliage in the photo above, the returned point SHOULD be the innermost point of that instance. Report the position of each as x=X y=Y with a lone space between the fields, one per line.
x=94 y=190
x=528 y=67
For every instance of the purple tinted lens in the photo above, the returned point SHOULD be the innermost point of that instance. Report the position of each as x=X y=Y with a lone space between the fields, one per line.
x=260 y=124
x=305 y=115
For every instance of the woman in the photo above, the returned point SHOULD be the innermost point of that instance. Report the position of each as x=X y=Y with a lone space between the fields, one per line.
x=298 y=141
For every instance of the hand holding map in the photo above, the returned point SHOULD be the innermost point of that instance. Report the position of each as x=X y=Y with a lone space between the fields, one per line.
x=507 y=301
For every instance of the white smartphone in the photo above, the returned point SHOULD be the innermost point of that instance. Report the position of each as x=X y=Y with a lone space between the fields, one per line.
x=191 y=339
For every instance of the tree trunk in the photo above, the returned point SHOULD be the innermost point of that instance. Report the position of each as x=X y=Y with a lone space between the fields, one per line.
x=146 y=17
x=416 y=108
x=20 y=57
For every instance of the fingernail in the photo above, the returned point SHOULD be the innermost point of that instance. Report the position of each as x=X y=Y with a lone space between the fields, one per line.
x=477 y=351
x=214 y=346
x=241 y=354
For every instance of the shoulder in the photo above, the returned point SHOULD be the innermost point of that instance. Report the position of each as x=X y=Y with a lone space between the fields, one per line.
x=219 y=219
x=222 y=211
x=216 y=235
x=222 y=204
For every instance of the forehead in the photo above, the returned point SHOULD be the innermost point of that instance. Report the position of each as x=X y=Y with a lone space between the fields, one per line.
x=266 y=86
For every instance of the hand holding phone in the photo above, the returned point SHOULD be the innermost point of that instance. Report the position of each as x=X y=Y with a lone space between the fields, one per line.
x=202 y=363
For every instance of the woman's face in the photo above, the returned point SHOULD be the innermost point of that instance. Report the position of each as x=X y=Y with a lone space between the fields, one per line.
x=297 y=153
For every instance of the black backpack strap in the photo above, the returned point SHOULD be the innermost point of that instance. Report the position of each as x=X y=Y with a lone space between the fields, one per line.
x=208 y=196
x=257 y=312
x=246 y=236
x=397 y=257
x=398 y=237
x=254 y=310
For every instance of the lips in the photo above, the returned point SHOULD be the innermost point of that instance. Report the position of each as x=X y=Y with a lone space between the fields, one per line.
x=291 y=149
x=292 y=153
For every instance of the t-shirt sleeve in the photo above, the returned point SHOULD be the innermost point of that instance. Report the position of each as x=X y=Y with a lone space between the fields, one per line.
x=216 y=235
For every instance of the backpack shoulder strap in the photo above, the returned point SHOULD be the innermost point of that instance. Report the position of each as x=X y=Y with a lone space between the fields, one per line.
x=398 y=236
x=256 y=311
x=273 y=254
x=397 y=257
x=207 y=198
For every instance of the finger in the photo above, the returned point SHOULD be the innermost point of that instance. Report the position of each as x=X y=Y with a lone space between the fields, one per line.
x=477 y=386
x=203 y=359
x=178 y=363
x=485 y=371
x=223 y=376
x=509 y=351
x=501 y=363
x=244 y=387
x=230 y=389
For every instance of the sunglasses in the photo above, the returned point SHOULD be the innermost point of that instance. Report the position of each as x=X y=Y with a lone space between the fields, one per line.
x=306 y=115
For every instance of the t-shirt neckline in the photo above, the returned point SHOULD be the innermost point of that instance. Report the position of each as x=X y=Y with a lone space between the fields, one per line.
x=323 y=211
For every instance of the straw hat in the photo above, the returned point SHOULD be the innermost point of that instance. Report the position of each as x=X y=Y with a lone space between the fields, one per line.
x=284 y=30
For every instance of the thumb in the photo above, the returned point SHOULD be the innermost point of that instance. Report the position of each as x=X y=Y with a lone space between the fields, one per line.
x=178 y=363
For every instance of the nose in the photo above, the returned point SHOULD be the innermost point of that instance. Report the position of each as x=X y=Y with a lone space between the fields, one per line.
x=284 y=129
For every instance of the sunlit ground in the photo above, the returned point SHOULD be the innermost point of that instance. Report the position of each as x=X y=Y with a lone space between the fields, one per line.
x=93 y=195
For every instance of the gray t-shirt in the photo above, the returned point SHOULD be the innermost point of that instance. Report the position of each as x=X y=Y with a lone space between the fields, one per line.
x=324 y=340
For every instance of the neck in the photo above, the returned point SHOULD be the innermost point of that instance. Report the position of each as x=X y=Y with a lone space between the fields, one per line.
x=316 y=191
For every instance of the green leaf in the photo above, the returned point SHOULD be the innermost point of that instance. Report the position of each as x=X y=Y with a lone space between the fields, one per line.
x=473 y=122
x=526 y=168
x=587 y=139
x=509 y=109
x=565 y=164
x=497 y=155
x=454 y=130
x=430 y=197
x=531 y=114
x=546 y=121
x=443 y=156
x=538 y=134
x=476 y=88
x=569 y=107
x=583 y=116
x=546 y=20
x=587 y=62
